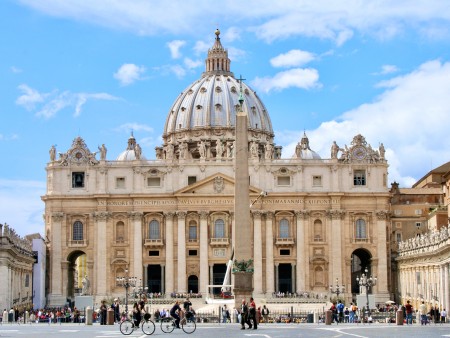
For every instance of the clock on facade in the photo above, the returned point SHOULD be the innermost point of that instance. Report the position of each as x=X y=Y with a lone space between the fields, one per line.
x=359 y=152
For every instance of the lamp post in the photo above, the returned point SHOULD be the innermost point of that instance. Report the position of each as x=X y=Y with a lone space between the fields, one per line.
x=338 y=289
x=367 y=282
x=127 y=282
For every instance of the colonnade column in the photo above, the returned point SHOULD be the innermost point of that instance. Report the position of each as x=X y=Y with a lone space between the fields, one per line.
x=446 y=288
x=203 y=251
x=257 y=253
x=169 y=252
x=137 y=244
x=56 y=258
x=181 y=251
x=269 y=254
x=302 y=270
x=101 y=267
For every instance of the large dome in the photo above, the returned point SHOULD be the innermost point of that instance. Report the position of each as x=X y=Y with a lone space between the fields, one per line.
x=206 y=109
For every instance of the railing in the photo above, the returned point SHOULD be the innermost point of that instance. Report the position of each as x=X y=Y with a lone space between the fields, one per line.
x=285 y=241
x=219 y=241
x=154 y=242
x=80 y=243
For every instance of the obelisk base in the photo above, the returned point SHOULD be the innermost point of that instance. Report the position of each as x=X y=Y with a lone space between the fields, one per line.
x=243 y=287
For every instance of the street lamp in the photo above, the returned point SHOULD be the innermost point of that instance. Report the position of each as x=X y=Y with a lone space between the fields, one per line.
x=367 y=282
x=127 y=282
x=338 y=289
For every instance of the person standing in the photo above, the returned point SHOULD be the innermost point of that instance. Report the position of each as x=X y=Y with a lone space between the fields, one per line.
x=340 y=310
x=116 y=307
x=225 y=314
x=244 y=315
x=265 y=314
x=408 y=310
x=103 y=311
x=443 y=316
x=334 y=316
x=252 y=313
x=423 y=313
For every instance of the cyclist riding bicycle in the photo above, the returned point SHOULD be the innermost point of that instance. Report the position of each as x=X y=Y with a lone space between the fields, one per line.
x=175 y=313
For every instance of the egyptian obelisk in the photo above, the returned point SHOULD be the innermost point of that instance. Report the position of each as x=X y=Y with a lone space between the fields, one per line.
x=243 y=281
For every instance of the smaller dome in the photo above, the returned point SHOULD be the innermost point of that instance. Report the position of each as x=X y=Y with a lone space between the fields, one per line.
x=133 y=151
x=302 y=150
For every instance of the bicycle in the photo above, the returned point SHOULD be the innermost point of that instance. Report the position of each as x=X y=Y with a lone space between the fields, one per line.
x=127 y=326
x=187 y=324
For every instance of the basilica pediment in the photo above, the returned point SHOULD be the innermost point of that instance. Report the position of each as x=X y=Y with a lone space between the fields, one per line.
x=218 y=184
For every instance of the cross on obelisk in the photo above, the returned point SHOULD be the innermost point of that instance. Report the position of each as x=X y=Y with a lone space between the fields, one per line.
x=243 y=280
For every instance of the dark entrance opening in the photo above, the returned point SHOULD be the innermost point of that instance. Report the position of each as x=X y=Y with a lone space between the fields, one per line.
x=154 y=278
x=77 y=269
x=361 y=259
x=193 y=284
x=219 y=271
x=285 y=278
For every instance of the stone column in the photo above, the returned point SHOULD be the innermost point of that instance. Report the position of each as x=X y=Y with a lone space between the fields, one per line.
x=257 y=252
x=269 y=254
x=446 y=288
x=182 y=287
x=136 y=218
x=101 y=268
x=203 y=251
x=336 y=245
x=302 y=264
x=276 y=278
x=56 y=243
x=382 y=278
x=233 y=239
x=169 y=253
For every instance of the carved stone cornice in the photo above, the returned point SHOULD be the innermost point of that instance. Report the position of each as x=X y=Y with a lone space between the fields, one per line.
x=101 y=215
x=335 y=214
x=135 y=215
x=181 y=214
x=302 y=214
x=382 y=214
x=57 y=216
x=203 y=214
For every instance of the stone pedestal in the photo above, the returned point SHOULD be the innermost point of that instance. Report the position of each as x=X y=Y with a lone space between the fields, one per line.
x=243 y=287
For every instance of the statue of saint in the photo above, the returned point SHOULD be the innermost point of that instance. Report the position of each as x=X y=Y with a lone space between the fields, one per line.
x=137 y=151
x=52 y=153
x=254 y=150
x=86 y=285
x=268 y=151
x=334 y=150
x=219 y=149
x=103 y=151
x=202 y=149
x=382 y=151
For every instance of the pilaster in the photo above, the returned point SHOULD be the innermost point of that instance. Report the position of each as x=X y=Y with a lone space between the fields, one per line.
x=181 y=274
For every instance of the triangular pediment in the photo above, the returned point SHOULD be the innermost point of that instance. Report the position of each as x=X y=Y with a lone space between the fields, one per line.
x=217 y=184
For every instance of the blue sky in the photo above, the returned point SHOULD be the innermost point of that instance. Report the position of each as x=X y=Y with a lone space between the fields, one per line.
x=100 y=69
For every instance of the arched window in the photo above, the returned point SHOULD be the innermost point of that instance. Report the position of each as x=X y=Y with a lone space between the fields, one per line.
x=192 y=231
x=77 y=231
x=318 y=230
x=153 y=230
x=120 y=231
x=361 y=231
x=284 y=228
x=219 y=228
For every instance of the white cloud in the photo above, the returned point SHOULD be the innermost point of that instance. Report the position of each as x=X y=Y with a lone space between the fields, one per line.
x=16 y=70
x=10 y=137
x=407 y=118
x=134 y=126
x=293 y=58
x=178 y=70
x=30 y=97
x=174 y=47
x=52 y=103
x=201 y=47
x=21 y=206
x=387 y=69
x=231 y=34
x=129 y=73
x=297 y=77
x=191 y=64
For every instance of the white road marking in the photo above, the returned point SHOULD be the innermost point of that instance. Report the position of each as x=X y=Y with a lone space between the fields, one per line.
x=257 y=334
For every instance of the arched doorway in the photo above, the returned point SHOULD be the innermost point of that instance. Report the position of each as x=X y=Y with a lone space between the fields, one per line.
x=77 y=269
x=193 y=284
x=361 y=259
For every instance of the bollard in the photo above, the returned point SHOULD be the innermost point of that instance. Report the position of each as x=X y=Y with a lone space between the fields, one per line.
x=88 y=316
x=26 y=318
x=316 y=317
x=328 y=317
x=399 y=317
x=110 y=317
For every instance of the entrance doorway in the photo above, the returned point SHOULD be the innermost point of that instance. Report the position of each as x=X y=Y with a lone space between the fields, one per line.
x=361 y=259
x=154 y=274
x=219 y=271
x=193 y=284
x=77 y=269
x=285 y=278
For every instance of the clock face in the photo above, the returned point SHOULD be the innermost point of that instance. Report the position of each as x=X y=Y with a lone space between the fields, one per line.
x=359 y=152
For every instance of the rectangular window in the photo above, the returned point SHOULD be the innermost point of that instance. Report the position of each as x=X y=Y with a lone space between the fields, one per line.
x=154 y=181
x=418 y=224
x=418 y=211
x=192 y=252
x=120 y=182
x=359 y=177
x=285 y=252
x=27 y=280
x=192 y=180
x=78 y=180
x=284 y=180
x=317 y=181
x=193 y=232
x=399 y=237
x=153 y=253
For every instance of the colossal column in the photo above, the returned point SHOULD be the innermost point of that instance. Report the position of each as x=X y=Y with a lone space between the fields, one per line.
x=181 y=215
x=257 y=252
x=100 y=218
x=302 y=267
x=269 y=254
x=56 y=297
x=169 y=252
x=382 y=280
x=203 y=251
x=137 y=245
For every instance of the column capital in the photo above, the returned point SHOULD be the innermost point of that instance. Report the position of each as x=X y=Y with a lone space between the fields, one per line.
x=57 y=216
x=169 y=214
x=269 y=214
x=101 y=215
x=135 y=215
x=382 y=214
x=302 y=214
x=203 y=214
x=257 y=213
x=335 y=214
x=181 y=214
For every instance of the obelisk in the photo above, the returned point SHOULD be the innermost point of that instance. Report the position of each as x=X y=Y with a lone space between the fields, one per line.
x=243 y=280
